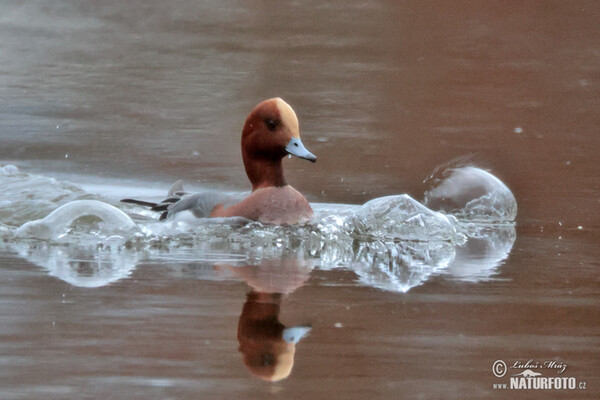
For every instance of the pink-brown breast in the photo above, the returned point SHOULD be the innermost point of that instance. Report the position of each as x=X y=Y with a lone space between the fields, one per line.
x=272 y=205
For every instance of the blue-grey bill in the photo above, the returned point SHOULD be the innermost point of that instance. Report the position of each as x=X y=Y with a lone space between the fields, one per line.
x=296 y=148
x=295 y=334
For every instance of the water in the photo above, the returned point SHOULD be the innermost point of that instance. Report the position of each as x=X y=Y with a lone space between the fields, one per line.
x=105 y=101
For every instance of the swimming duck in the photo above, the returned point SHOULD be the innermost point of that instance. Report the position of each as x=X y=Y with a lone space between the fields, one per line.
x=271 y=132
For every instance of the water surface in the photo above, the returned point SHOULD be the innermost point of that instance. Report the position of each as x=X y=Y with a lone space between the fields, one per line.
x=124 y=99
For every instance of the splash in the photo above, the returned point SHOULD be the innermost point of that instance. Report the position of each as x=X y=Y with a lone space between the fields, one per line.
x=89 y=217
x=82 y=266
x=472 y=194
x=463 y=229
x=401 y=217
x=26 y=197
x=400 y=266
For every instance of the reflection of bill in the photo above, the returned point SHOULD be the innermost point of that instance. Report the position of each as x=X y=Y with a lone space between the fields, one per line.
x=267 y=346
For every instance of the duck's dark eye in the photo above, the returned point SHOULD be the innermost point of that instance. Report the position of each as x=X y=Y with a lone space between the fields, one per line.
x=268 y=360
x=271 y=124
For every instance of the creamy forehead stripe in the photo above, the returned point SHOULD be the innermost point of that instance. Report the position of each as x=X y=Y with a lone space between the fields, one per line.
x=284 y=364
x=288 y=116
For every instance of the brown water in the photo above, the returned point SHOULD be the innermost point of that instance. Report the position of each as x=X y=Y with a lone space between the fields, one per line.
x=149 y=92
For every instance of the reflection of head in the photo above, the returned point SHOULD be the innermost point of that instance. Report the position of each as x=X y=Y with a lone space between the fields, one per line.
x=267 y=346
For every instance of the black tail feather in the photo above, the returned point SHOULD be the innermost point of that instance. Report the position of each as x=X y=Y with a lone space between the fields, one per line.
x=139 y=202
x=160 y=207
x=171 y=200
x=173 y=197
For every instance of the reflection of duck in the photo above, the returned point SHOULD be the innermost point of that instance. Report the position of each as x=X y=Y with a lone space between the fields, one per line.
x=268 y=347
x=270 y=132
x=280 y=275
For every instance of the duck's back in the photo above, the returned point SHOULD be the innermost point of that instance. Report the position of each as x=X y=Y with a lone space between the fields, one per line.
x=201 y=204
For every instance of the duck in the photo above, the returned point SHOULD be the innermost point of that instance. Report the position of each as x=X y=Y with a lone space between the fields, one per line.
x=268 y=347
x=270 y=133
